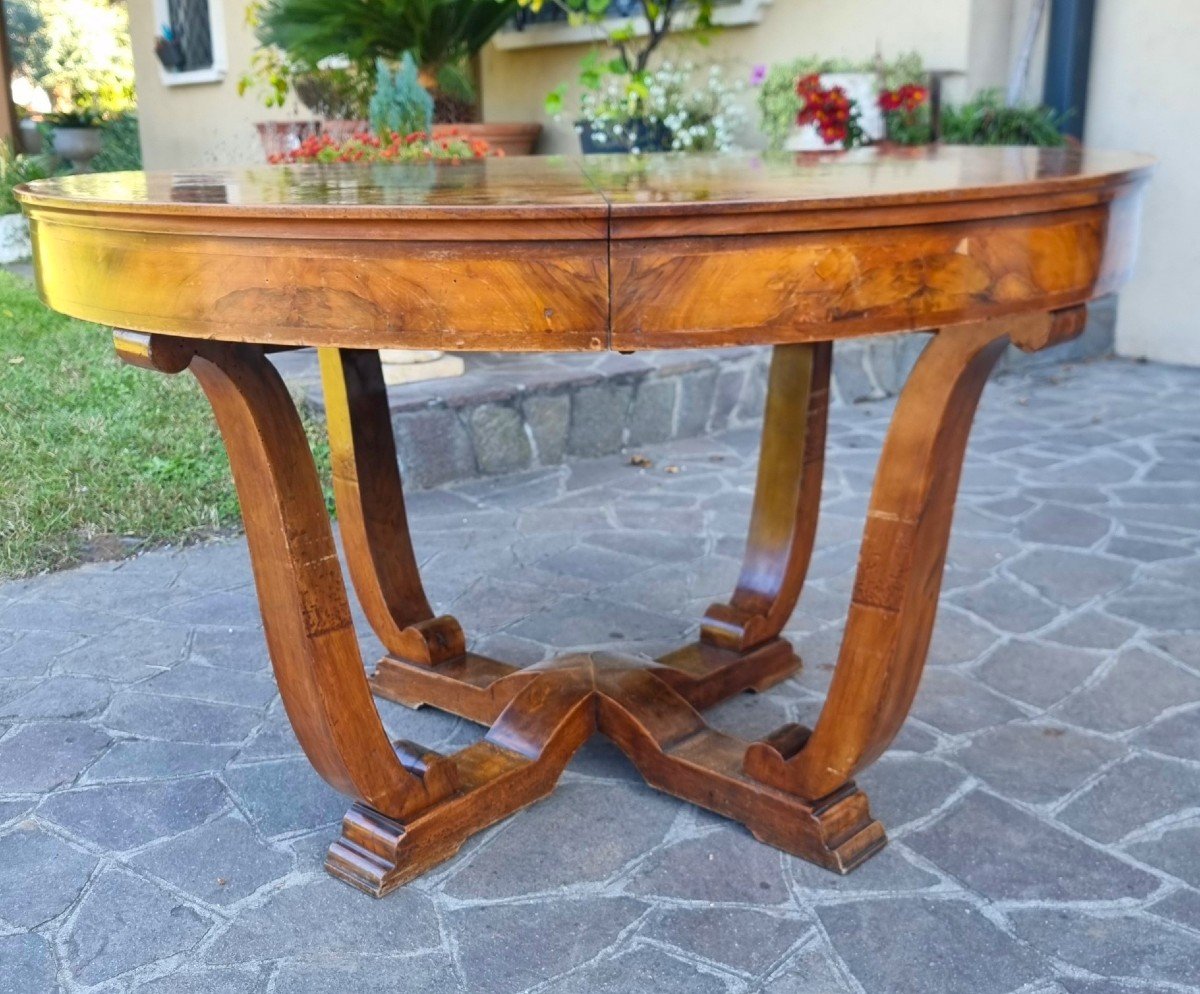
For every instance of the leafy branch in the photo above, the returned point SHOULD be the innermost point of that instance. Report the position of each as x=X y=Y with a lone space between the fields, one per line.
x=633 y=49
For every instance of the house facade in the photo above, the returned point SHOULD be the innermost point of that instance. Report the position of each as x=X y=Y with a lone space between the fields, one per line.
x=1140 y=95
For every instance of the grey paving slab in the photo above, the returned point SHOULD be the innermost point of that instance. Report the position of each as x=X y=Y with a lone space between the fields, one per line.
x=510 y=947
x=1037 y=762
x=122 y=816
x=1130 y=946
x=432 y=973
x=1037 y=673
x=284 y=796
x=1143 y=790
x=28 y=964
x=55 y=874
x=936 y=947
x=40 y=756
x=318 y=919
x=812 y=971
x=642 y=968
x=220 y=862
x=160 y=830
x=124 y=922
x=1007 y=854
x=179 y=719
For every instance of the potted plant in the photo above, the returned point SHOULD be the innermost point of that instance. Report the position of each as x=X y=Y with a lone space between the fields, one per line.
x=273 y=76
x=683 y=110
x=442 y=36
x=906 y=114
x=29 y=133
x=338 y=94
x=781 y=101
x=987 y=120
x=624 y=104
x=75 y=135
x=169 y=51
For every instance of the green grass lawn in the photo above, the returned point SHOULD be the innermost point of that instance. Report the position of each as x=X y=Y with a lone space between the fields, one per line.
x=92 y=449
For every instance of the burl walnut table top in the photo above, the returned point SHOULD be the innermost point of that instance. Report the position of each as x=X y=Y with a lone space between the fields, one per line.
x=573 y=254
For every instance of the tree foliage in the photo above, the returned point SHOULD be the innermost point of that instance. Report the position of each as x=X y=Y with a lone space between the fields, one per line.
x=78 y=50
x=437 y=33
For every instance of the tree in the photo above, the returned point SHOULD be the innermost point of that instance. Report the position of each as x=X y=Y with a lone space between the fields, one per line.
x=78 y=50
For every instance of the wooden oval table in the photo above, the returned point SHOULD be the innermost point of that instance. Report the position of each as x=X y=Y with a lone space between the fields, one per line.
x=210 y=271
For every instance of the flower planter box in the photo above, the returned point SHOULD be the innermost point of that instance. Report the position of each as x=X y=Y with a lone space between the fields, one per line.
x=283 y=136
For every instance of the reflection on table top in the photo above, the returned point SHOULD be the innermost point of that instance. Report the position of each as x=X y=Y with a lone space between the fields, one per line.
x=553 y=186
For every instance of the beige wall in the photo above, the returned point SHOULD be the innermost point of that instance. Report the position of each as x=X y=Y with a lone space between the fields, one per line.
x=516 y=82
x=1145 y=77
x=203 y=123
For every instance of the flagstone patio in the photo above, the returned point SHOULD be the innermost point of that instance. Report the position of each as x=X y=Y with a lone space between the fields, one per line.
x=160 y=832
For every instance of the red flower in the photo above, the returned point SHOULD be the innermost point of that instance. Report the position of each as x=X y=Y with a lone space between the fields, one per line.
x=829 y=109
x=907 y=98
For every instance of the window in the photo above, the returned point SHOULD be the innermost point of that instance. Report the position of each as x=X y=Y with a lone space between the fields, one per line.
x=549 y=26
x=197 y=30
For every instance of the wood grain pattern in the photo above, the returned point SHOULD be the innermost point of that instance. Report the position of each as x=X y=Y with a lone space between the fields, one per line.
x=517 y=256
x=798 y=287
x=522 y=296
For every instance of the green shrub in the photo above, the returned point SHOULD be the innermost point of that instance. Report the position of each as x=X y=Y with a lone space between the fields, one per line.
x=16 y=169
x=987 y=121
x=400 y=104
x=122 y=149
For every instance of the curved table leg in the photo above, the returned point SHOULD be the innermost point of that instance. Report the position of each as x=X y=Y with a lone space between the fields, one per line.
x=787 y=500
x=739 y=646
x=370 y=504
x=301 y=594
x=901 y=560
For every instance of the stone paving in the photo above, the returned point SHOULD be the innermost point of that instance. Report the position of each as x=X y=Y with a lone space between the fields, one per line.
x=160 y=833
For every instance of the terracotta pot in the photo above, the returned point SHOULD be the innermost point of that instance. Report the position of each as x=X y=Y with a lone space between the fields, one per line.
x=278 y=137
x=341 y=130
x=515 y=139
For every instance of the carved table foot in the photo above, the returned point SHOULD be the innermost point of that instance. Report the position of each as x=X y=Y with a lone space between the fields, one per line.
x=552 y=709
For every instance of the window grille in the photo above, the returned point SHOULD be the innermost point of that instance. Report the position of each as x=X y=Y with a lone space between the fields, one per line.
x=192 y=26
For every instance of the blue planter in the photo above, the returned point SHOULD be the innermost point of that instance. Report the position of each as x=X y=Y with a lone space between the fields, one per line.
x=642 y=135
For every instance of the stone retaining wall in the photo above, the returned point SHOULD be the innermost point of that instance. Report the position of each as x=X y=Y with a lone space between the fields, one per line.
x=517 y=412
